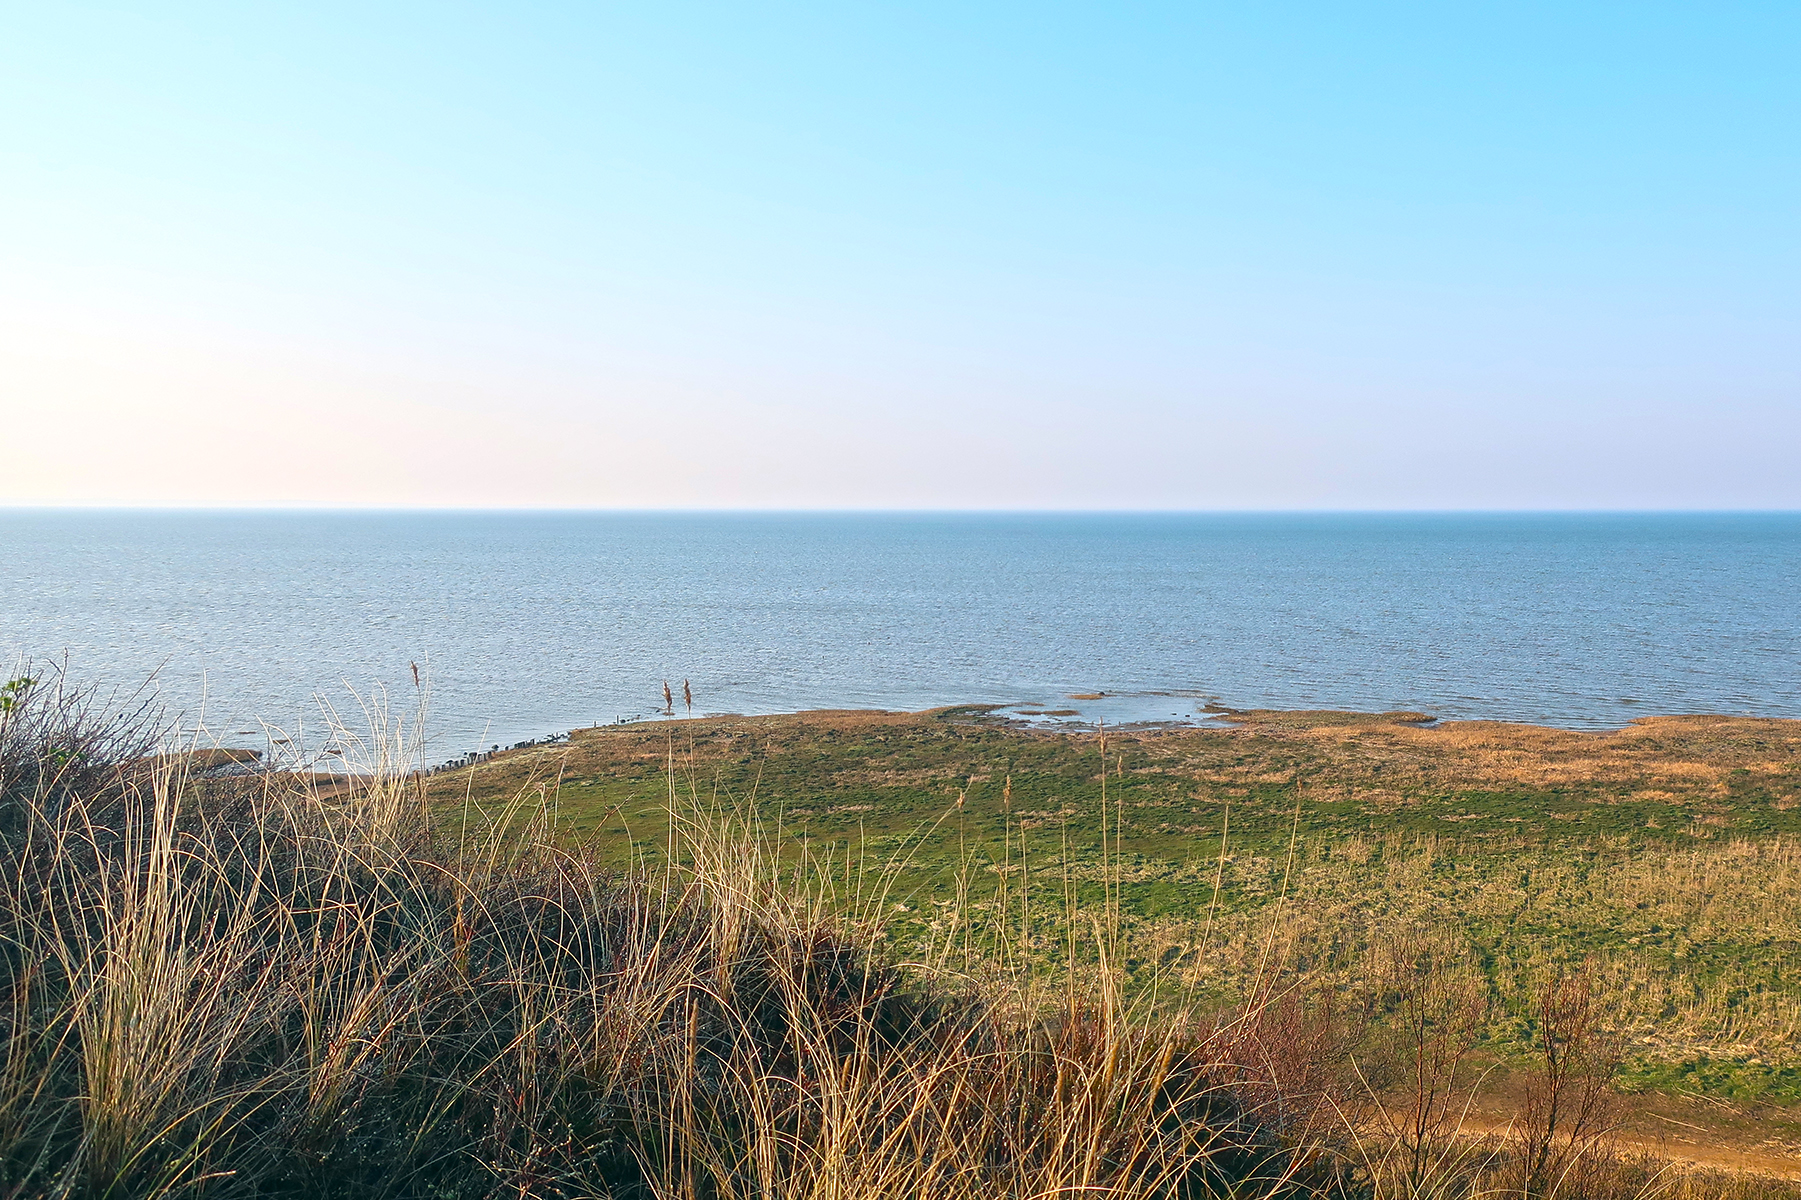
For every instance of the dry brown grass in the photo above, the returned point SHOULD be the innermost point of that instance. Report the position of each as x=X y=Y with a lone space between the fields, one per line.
x=248 y=990
x=1688 y=751
x=255 y=988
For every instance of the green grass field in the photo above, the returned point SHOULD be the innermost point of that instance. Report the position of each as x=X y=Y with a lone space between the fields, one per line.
x=1662 y=859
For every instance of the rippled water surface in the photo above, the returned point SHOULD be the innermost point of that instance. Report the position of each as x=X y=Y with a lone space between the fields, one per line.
x=529 y=623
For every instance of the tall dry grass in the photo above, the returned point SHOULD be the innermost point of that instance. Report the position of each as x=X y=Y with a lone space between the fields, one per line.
x=233 y=987
x=1692 y=947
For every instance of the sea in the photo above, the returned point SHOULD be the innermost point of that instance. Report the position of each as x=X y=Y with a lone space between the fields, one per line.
x=250 y=626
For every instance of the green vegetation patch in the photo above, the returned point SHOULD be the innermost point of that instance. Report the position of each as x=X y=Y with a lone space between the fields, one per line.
x=1664 y=858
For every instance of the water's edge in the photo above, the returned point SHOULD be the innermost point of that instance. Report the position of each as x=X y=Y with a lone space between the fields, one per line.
x=522 y=624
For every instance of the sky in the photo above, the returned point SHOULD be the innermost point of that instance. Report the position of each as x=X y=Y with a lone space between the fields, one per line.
x=914 y=256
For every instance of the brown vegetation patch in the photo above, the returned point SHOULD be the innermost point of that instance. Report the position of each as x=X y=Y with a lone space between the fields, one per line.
x=1672 y=750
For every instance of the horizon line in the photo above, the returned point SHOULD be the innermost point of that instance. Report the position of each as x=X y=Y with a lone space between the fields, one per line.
x=696 y=510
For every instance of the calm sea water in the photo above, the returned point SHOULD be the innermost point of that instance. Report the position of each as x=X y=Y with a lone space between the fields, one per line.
x=532 y=623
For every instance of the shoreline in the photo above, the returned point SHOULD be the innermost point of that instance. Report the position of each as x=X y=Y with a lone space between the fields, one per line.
x=1216 y=718
x=337 y=771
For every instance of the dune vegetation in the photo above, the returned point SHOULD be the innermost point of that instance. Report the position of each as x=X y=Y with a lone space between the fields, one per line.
x=654 y=962
x=1661 y=863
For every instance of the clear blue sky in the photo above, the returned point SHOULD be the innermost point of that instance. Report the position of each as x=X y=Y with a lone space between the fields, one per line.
x=926 y=255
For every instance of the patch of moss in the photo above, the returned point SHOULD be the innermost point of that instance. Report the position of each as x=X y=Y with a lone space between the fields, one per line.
x=1744 y=1081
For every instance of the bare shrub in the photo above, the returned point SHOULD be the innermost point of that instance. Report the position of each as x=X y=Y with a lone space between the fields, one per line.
x=1567 y=1110
x=1432 y=1005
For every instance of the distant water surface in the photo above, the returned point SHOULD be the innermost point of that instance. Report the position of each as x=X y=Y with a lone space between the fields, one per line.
x=530 y=623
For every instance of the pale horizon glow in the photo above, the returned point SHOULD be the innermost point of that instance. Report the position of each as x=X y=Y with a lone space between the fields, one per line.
x=931 y=257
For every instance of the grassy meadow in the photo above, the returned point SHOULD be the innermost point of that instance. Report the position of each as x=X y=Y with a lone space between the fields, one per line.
x=851 y=956
x=1662 y=861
